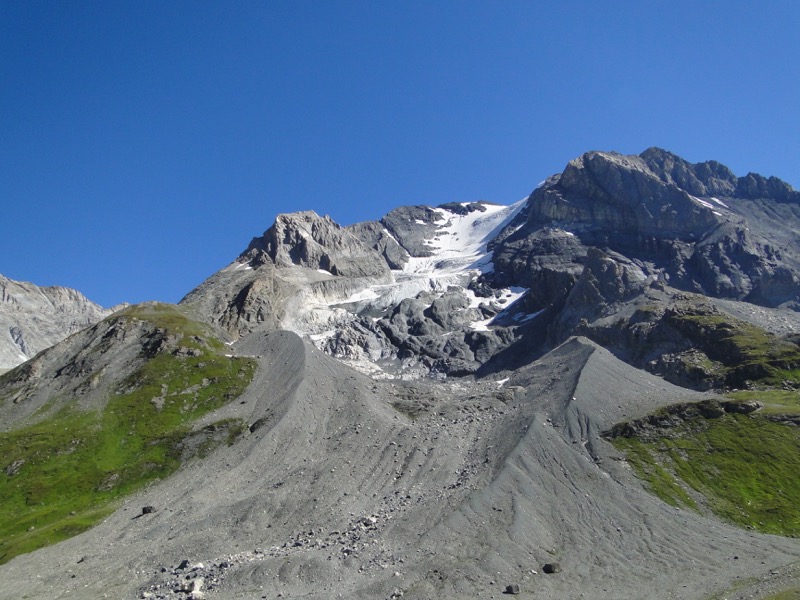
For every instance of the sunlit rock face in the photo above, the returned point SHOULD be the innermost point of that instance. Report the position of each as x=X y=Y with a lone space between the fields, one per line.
x=33 y=318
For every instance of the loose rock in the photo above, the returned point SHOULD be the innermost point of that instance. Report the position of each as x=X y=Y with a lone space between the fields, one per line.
x=551 y=568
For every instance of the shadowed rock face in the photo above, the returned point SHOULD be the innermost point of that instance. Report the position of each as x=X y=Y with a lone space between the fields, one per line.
x=696 y=225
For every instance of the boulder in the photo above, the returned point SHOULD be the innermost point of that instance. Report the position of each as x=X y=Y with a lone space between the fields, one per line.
x=551 y=568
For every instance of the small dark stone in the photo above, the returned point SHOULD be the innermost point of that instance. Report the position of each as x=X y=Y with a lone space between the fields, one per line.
x=551 y=568
x=512 y=588
x=184 y=563
x=256 y=424
x=146 y=510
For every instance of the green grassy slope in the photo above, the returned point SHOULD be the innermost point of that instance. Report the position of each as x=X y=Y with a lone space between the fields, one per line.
x=743 y=468
x=63 y=474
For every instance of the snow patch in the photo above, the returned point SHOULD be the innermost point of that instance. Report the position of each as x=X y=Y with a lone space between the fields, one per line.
x=701 y=201
x=508 y=297
x=459 y=242
x=718 y=201
x=365 y=294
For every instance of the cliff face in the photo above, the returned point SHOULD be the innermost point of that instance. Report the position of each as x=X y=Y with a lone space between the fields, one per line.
x=696 y=226
x=308 y=240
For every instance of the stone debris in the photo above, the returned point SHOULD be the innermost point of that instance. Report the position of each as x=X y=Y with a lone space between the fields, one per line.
x=551 y=568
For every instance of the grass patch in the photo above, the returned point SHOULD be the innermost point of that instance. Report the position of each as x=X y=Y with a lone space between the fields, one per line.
x=63 y=474
x=778 y=402
x=792 y=594
x=744 y=468
x=659 y=480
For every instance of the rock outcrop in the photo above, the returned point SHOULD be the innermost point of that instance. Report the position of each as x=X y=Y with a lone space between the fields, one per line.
x=690 y=224
x=305 y=239
x=33 y=318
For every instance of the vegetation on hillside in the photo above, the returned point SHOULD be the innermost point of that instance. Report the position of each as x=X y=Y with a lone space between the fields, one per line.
x=63 y=474
x=744 y=468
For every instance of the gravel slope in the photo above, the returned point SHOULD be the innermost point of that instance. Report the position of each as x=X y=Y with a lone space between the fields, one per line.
x=336 y=493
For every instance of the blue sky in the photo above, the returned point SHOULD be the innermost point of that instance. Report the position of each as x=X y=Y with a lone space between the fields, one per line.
x=143 y=144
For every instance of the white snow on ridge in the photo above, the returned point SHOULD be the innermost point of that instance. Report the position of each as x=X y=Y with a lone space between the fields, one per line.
x=720 y=202
x=459 y=253
x=708 y=204
x=459 y=243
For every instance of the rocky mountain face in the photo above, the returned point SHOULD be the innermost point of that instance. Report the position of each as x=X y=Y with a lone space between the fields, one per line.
x=604 y=250
x=381 y=294
x=430 y=405
x=33 y=318
x=615 y=243
x=698 y=227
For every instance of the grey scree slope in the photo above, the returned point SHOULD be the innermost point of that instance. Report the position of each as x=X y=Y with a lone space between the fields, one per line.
x=344 y=496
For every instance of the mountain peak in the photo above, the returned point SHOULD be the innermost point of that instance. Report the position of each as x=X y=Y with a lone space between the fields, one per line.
x=308 y=240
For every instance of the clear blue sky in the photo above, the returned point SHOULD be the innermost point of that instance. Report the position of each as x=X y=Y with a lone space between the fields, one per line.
x=144 y=143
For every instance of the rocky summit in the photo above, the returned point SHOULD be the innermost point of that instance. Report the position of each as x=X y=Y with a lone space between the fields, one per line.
x=560 y=398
